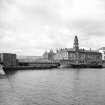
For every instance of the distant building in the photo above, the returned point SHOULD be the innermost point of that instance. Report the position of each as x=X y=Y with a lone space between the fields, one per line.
x=102 y=51
x=45 y=55
x=77 y=56
x=49 y=55
x=8 y=59
x=29 y=58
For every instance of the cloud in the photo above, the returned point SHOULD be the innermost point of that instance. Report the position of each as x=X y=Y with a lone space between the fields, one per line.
x=29 y=27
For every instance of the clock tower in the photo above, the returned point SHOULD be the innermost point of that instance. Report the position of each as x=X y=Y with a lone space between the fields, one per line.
x=76 y=44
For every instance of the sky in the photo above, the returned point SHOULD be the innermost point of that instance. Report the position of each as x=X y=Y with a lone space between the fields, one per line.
x=30 y=27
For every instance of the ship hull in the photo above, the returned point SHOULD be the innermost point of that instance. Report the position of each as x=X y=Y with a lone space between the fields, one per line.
x=80 y=66
x=85 y=66
x=34 y=67
x=65 y=66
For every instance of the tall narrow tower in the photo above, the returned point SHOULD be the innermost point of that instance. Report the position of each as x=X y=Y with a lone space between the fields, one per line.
x=76 y=44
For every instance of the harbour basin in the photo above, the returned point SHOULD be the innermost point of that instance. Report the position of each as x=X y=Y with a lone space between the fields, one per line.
x=53 y=87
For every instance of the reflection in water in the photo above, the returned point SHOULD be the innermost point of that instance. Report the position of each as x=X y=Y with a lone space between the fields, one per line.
x=76 y=87
x=2 y=76
x=55 y=87
x=12 y=72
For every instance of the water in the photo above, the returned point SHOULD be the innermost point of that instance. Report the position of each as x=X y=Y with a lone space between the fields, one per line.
x=53 y=87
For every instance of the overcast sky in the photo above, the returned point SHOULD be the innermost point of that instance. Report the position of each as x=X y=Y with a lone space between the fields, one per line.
x=29 y=27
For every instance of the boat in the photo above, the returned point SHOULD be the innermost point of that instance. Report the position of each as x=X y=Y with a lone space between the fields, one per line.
x=86 y=65
x=81 y=66
x=69 y=64
x=35 y=66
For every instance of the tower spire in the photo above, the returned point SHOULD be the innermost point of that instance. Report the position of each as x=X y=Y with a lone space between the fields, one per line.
x=76 y=44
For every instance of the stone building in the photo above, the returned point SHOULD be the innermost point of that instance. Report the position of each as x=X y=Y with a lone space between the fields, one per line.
x=76 y=55
x=102 y=51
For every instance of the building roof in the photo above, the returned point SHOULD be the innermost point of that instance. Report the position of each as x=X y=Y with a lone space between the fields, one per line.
x=102 y=48
x=76 y=48
x=80 y=50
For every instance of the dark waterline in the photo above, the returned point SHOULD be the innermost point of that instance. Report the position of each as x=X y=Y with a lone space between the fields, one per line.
x=53 y=87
